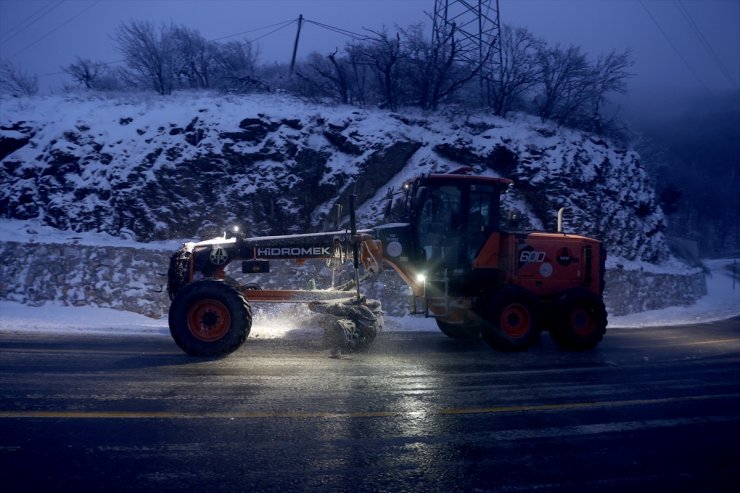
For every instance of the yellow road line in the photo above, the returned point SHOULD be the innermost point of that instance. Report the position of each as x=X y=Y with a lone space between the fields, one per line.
x=716 y=341
x=586 y=405
x=363 y=414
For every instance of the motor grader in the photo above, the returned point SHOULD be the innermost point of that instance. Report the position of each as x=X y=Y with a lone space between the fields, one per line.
x=450 y=245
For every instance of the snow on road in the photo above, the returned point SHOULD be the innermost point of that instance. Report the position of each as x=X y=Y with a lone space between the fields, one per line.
x=721 y=302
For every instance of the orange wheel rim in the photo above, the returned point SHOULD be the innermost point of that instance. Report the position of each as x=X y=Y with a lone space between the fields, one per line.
x=208 y=320
x=515 y=320
x=583 y=321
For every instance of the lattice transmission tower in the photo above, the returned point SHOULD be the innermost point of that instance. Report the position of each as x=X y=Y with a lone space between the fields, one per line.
x=477 y=28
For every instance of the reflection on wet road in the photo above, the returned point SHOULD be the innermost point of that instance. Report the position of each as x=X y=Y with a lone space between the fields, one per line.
x=653 y=409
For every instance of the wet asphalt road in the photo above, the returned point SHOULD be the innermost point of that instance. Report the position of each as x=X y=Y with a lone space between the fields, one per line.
x=648 y=410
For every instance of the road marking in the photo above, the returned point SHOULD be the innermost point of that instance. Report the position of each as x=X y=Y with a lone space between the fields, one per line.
x=716 y=341
x=586 y=405
x=615 y=427
x=363 y=414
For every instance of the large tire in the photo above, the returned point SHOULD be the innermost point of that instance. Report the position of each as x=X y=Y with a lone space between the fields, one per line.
x=580 y=319
x=209 y=318
x=510 y=318
x=466 y=332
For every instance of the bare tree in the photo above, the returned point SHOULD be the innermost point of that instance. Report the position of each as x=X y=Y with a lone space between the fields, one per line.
x=418 y=67
x=149 y=53
x=384 y=54
x=298 y=83
x=334 y=72
x=236 y=67
x=573 y=90
x=361 y=84
x=609 y=74
x=435 y=69
x=85 y=72
x=194 y=57
x=15 y=81
x=518 y=72
x=564 y=80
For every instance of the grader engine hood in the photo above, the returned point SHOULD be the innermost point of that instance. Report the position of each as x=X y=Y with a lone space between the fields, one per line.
x=545 y=262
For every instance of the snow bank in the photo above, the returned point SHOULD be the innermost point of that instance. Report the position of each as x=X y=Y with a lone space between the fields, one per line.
x=277 y=322
x=295 y=321
x=34 y=232
x=721 y=302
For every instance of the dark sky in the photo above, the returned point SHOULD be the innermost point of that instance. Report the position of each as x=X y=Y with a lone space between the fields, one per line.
x=679 y=46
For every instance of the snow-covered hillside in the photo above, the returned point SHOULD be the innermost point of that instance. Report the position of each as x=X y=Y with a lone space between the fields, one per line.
x=191 y=164
x=147 y=172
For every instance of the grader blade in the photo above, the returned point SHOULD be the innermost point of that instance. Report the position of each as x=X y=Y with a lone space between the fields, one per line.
x=355 y=324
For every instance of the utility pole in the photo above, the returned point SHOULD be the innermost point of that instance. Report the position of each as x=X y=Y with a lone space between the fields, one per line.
x=295 y=44
x=478 y=27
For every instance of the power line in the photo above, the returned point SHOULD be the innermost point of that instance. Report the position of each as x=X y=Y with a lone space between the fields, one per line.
x=338 y=30
x=675 y=48
x=37 y=15
x=704 y=41
x=273 y=31
x=282 y=24
x=58 y=27
x=277 y=27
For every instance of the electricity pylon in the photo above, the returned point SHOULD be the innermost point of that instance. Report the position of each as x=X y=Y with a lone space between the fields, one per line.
x=477 y=29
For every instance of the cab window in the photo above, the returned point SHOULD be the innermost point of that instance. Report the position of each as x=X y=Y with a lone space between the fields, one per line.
x=439 y=222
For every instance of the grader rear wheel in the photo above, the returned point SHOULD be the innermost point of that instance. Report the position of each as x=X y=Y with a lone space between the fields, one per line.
x=510 y=319
x=580 y=321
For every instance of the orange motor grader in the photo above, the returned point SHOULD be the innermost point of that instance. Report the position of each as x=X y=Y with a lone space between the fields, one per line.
x=450 y=246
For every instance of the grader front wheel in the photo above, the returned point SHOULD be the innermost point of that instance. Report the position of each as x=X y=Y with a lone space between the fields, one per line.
x=209 y=318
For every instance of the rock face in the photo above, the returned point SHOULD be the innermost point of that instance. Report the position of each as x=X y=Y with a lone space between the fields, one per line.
x=83 y=275
x=634 y=290
x=190 y=167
